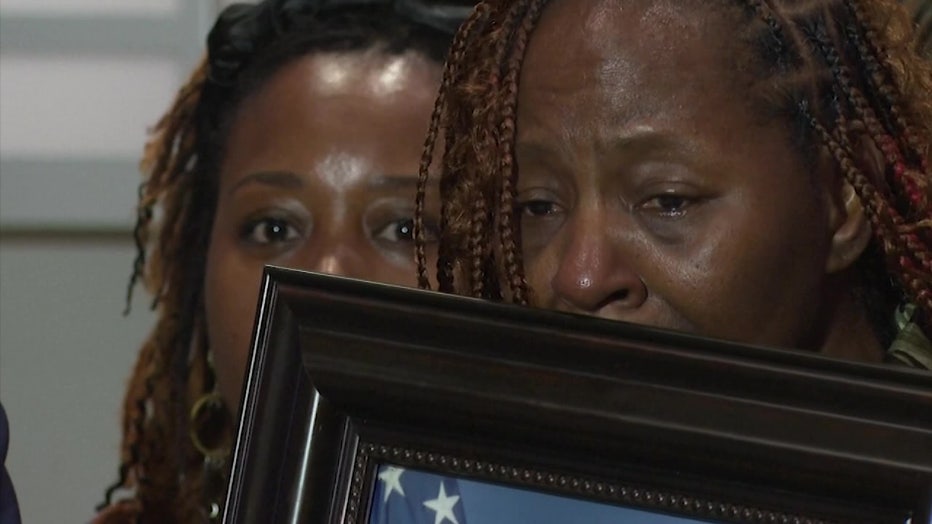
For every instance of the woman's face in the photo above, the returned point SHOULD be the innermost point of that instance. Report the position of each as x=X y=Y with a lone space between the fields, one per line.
x=319 y=174
x=653 y=189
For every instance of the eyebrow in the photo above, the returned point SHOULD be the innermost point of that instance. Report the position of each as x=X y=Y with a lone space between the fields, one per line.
x=533 y=147
x=393 y=181
x=291 y=180
x=652 y=141
x=279 y=179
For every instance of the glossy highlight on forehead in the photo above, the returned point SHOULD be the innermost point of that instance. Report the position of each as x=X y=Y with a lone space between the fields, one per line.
x=384 y=73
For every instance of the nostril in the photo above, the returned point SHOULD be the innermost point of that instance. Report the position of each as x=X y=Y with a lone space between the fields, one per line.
x=616 y=297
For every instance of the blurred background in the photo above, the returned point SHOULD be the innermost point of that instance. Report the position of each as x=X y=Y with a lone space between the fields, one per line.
x=80 y=82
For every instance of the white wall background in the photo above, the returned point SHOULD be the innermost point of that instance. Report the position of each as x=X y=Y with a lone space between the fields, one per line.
x=80 y=81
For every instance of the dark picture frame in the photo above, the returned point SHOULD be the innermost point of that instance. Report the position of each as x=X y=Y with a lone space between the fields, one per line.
x=347 y=375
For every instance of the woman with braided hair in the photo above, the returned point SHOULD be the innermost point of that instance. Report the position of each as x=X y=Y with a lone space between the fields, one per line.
x=295 y=142
x=752 y=170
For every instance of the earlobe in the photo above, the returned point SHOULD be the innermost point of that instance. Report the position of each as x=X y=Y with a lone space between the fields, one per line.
x=852 y=232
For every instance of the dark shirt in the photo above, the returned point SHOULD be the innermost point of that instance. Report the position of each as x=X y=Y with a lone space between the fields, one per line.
x=9 y=509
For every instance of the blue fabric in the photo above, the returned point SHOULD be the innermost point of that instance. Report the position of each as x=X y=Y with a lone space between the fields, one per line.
x=407 y=497
x=414 y=497
x=9 y=509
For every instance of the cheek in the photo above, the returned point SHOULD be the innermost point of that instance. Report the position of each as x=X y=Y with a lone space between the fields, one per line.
x=231 y=292
x=390 y=265
x=395 y=275
x=757 y=284
x=540 y=267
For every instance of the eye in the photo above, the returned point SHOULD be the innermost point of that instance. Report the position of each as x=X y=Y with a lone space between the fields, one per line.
x=403 y=231
x=668 y=205
x=538 y=208
x=269 y=230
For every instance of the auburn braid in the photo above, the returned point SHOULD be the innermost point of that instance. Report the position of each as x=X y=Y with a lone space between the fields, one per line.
x=152 y=457
x=890 y=150
x=508 y=174
x=450 y=74
x=498 y=137
x=481 y=219
x=477 y=114
x=896 y=202
x=865 y=38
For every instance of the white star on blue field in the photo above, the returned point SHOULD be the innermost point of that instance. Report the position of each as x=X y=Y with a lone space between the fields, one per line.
x=407 y=496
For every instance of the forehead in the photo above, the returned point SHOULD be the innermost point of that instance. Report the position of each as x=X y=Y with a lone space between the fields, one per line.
x=336 y=97
x=632 y=55
x=617 y=31
x=371 y=105
x=380 y=78
x=371 y=73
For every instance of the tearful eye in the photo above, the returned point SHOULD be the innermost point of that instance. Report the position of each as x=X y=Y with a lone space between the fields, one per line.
x=538 y=208
x=669 y=205
x=268 y=231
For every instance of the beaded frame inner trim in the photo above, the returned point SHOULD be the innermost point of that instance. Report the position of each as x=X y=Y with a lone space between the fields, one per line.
x=370 y=456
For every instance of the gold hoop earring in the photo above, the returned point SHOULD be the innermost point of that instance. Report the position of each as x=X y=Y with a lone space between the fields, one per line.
x=210 y=426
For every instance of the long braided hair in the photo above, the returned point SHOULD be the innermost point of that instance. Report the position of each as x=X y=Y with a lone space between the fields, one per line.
x=862 y=73
x=177 y=201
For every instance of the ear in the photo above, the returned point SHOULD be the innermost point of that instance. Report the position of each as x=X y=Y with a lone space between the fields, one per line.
x=852 y=231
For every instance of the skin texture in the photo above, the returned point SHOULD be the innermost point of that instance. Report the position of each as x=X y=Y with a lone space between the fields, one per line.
x=319 y=174
x=653 y=192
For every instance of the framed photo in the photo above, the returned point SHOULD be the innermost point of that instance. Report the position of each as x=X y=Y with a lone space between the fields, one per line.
x=373 y=404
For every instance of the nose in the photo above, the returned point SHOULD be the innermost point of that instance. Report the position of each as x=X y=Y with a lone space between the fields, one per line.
x=334 y=258
x=595 y=275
